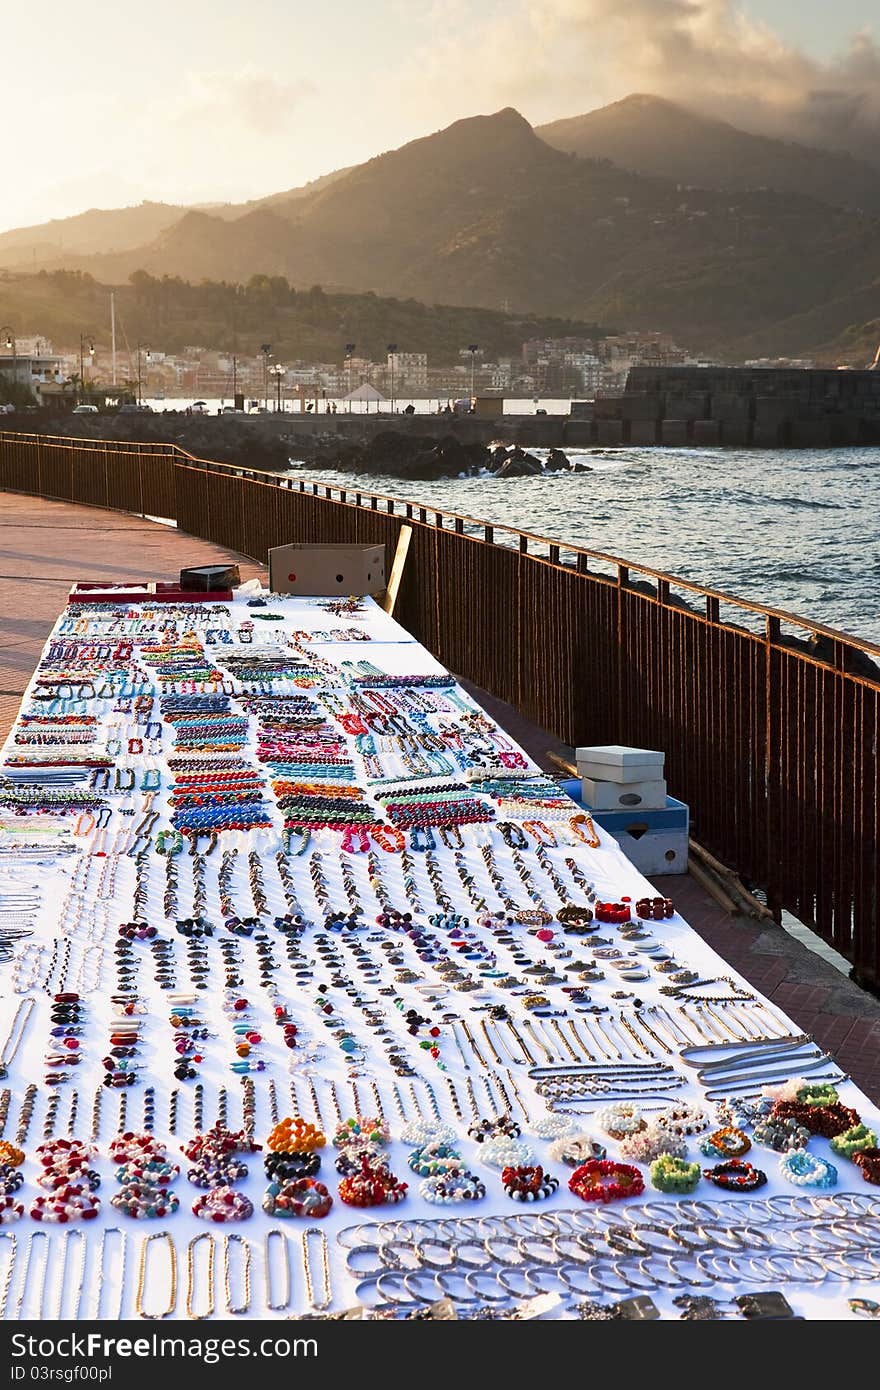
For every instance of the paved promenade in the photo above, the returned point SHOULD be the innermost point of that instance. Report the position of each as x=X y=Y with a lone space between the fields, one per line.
x=45 y=547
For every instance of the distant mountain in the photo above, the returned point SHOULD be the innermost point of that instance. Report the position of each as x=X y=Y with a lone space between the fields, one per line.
x=87 y=234
x=486 y=213
x=650 y=135
x=110 y=231
x=233 y=210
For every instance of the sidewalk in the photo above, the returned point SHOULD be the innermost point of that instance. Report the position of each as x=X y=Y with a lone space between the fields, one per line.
x=45 y=547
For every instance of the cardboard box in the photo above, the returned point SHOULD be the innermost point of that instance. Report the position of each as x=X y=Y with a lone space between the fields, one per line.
x=327 y=570
x=623 y=796
x=613 y=762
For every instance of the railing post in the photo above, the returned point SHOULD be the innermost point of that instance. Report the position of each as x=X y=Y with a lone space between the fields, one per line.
x=713 y=609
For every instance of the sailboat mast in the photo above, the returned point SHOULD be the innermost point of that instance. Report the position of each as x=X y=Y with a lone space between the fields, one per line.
x=113 y=334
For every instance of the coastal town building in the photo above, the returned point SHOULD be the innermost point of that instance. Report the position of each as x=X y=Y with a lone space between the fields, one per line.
x=32 y=370
x=410 y=368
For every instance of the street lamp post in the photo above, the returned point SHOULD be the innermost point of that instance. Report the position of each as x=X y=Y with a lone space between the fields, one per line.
x=9 y=341
x=266 y=350
x=83 y=339
x=141 y=348
x=278 y=372
x=349 y=353
x=473 y=349
x=392 y=354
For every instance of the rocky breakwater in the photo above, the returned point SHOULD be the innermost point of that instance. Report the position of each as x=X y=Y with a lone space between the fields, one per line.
x=423 y=457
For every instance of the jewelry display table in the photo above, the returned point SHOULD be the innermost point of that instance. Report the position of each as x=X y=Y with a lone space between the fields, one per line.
x=318 y=994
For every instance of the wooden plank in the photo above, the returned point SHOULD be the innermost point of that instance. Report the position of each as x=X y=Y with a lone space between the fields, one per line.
x=397 y=569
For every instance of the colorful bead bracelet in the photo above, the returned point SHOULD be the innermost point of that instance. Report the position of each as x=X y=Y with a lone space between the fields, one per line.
x=853 y=1141
x=525 y=1183
x=223 y=1204
x=145 y=1201
x=669 y=1174
x=807 y=1170
x=300 y=1197
x=295 y=1135
x=432 y=1158
x=72 y=1203
x=603 y=1180
x=372 y=1186
x=728 y=1142
x=736 y=1176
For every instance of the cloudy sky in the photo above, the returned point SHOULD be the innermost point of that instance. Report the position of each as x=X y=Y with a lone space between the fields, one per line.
x=202 y=100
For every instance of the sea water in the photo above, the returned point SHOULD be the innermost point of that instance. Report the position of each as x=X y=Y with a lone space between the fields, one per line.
x=793 y=529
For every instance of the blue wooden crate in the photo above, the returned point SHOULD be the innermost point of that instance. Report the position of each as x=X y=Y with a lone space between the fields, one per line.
x=656 y=842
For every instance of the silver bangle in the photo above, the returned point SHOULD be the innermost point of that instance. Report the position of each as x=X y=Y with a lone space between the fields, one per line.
x=663 y=1274
x=580 y=1254
x=354 y=1265
x=689 y=1276
x=426 y=1262
x=510 y=1241
x=571 y=1274
x=509 y=1276
x=542 y=1280
x=412 y=1283
x=476 y=1281
x=397 y=1254
x=465 y=1261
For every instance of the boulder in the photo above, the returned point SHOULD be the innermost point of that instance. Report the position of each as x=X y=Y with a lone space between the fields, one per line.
x=519 y=464
x=556 y=461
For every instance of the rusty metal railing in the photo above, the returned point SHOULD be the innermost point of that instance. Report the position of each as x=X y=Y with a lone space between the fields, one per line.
x=769 y=721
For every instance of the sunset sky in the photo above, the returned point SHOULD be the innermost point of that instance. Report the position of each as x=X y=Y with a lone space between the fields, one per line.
x=199 y=101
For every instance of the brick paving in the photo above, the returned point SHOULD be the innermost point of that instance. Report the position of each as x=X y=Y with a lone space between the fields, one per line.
x=47 y=546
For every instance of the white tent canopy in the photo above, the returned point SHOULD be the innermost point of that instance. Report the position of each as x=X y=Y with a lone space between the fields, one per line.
x=364 y=392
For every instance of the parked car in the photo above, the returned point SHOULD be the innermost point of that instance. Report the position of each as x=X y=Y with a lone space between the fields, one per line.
x=85 y=410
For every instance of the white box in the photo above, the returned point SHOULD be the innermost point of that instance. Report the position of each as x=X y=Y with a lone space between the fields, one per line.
x=657 y=852
x=612 y=762
x=623 y=796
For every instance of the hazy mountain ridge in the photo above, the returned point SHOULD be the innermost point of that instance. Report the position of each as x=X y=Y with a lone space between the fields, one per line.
x=653 y=136
x=486 y=213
